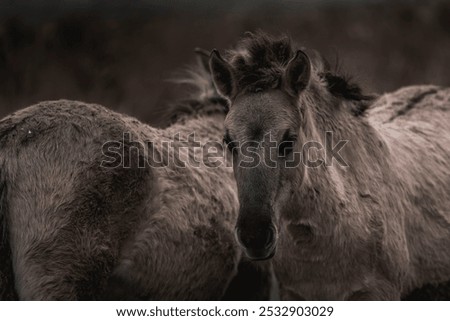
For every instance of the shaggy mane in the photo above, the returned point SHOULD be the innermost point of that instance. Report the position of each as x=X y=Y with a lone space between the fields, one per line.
x=203 y=98
x=259 y=61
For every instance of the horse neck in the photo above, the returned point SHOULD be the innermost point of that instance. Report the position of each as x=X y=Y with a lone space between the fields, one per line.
x=328 y=187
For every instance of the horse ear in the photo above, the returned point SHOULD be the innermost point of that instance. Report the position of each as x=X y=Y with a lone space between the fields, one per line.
x=298 y=72
x=222 y=74
x=203 y=57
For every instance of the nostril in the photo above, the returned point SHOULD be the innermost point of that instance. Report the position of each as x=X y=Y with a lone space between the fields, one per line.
x=256 y=239
x=270 y=237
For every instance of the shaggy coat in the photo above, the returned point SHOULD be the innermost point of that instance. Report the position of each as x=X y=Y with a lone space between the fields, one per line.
x=73 y=229
x=373 y=229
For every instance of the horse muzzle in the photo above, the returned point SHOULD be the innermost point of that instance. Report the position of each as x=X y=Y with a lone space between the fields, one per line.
x=260 y=244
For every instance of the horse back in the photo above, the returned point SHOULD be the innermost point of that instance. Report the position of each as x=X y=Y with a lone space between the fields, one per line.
x=413 y=122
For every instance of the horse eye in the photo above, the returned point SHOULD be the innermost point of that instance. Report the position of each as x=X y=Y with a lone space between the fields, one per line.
x=231 y=145
x=285 y=148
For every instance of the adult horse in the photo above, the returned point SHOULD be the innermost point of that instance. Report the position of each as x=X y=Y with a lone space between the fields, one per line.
x=350 y=190
x=94 y=205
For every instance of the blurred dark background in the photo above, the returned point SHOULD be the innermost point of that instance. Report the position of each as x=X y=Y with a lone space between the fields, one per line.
x=121 y=53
